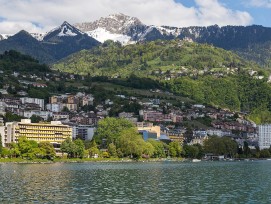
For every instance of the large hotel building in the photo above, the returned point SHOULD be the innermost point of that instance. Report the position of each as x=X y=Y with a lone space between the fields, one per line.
x=53 y=132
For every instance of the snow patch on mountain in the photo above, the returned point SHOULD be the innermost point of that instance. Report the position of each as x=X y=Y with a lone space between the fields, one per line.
x=114 y=23
x=102 y=35
x=143 y=35
x=5 y=36
x=66 y=31
x=168 y=30
x=38 y=36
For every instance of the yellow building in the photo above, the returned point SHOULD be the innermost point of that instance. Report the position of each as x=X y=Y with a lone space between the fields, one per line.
x=141 y=126
x=53 y=132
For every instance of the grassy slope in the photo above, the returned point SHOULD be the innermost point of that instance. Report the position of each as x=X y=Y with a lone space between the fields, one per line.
x=144 y=59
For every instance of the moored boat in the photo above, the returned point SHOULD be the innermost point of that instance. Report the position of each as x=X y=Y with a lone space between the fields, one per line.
x=196 y=160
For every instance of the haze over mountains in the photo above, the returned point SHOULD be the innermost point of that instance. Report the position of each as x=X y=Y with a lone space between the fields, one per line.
x=252 y=42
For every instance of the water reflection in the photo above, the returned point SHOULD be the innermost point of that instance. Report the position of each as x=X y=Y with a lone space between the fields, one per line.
x=205 y=182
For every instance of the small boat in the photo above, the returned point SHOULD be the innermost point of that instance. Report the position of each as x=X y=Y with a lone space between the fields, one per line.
x=196 y=160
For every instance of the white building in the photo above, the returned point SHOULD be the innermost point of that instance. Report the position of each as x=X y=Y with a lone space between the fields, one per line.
x=43 y=114
x=2 y=133
x=218 y=132
x=84 y=132
x=38 y=101
x=2 y=108
x=264 y=136
x=54 y=107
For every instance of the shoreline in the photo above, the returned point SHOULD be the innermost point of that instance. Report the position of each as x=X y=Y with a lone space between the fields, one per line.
x=115 y=160
x=118 y=160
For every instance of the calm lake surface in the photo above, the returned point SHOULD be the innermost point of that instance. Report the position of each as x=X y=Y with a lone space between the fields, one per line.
x=165 y=182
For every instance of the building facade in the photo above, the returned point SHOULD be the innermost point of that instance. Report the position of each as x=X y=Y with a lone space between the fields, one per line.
x=84 y=132
x=37 y=101
x=264 y=132
x=54 y=132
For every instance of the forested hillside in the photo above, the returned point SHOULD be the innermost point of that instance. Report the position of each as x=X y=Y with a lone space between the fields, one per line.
x=159 y=57
x=241 y=93
x=11 y=61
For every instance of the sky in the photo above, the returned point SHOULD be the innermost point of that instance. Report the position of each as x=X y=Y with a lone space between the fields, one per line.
x=44 y=15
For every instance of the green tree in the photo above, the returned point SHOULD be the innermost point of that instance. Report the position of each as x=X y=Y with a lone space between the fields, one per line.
x=80 y=148
x=175 y=149
x=221 y=146
x=5 y=152
x=65 y=109
x=36 y=119
x=69 y=147
x=14 y=150
x=27 y=147
x=90 y=143
x=191 y=151
x=148 y=149
x=159 y=151
x=188 y=135
x=110 y=129
x=112 y=150
x=264 y=153
x=10 y=117
x=48 y=149
x=246 y=149
x=93 y=151
x=130 y=143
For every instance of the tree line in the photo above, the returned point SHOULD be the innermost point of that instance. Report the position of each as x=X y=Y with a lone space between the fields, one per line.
x=119 y=138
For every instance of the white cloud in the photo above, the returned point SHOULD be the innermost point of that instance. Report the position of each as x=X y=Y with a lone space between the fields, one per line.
x=213 y=12
x=27 y=14
x=260 y=3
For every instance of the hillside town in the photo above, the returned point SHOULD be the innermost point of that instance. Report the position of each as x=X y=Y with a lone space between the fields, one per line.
x=80 y=115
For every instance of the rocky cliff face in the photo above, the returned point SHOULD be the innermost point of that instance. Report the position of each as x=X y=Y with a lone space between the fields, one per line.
x=115 y=23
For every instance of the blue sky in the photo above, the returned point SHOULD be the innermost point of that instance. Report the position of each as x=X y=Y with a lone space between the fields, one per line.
x=260 y=10
x=44 y=15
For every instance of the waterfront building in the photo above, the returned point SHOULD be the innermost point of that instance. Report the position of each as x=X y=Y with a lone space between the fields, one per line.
x=264 y=136
x=148 y=130
x=84 y=132
x=54 y=132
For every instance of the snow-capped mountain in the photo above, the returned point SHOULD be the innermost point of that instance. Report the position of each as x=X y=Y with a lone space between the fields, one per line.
x=114 y=23
x=4 y=36
x=67 y=39
x=64 y=30
x=55 y=45
x=126 y=29
x=38 y=36
x=114 y=27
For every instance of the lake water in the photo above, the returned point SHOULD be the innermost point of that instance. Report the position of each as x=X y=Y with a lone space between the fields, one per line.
x=165 y=182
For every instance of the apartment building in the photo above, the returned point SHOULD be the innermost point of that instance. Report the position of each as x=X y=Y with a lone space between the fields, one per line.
x=54 y=132
x=264 y=136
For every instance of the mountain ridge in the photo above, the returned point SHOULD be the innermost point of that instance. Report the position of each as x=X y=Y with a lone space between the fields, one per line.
x=55 y=45
x=130 y=30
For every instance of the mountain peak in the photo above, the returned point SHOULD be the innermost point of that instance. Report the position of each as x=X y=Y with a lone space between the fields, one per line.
x=23 y=35
x=23 y=32
x=118 y=23
x=64 y=30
